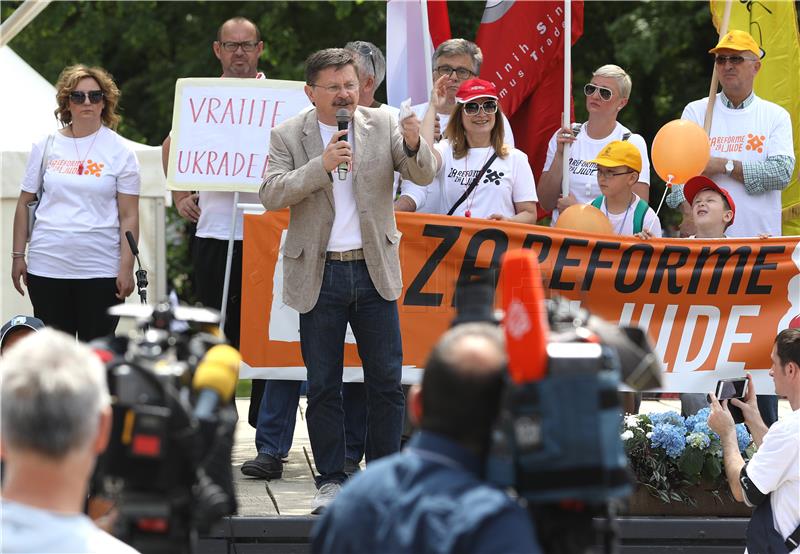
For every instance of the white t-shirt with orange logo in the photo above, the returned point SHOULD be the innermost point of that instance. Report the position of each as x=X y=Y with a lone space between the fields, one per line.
x=77 y=235
x=750 y=134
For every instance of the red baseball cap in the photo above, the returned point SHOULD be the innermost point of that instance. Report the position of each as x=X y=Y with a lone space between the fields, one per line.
x=701 y=182
x=475 y=88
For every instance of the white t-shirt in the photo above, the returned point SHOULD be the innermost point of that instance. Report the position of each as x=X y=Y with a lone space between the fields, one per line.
x=346 y=230
x=216 y=209
x=583 y=173
x=29 y=529
x=622 y=222
x=77 y=234
x=775 y=469
x=751 y=134
x=505 y=182
x=420 y=194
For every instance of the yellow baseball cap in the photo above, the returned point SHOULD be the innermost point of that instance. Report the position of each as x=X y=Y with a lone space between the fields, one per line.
x=737 y=40
x=620 y=152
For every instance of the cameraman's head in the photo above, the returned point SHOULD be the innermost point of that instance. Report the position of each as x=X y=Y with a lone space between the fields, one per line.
x=460 y=392
x=56 y=413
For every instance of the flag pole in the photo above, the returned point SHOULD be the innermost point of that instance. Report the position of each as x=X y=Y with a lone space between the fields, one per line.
x=712 y=91
x=567 y=93
x=426 y=37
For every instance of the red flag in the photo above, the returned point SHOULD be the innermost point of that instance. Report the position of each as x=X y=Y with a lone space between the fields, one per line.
x=523 y=54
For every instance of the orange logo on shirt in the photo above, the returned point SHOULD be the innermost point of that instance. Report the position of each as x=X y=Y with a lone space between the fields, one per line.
x=755 y=142
x=93 y=168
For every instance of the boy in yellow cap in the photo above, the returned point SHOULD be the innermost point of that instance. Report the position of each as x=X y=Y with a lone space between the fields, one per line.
x=618 y=167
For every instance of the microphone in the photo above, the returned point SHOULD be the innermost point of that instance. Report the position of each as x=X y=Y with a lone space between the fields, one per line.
x=526 y=324
x=215 y=379
x=342 y=121
x=141 y=274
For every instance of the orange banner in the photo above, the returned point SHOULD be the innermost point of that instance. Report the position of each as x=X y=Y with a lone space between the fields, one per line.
x=712 y=308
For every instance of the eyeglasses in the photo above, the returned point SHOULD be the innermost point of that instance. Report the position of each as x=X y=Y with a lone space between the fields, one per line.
x=735 y=60
x=336 y=89
x=461 y=72
x=79 y=97
x=247 y=45
x=604 y=174
x=605 y=93
x=473 y=108
x=367 y=51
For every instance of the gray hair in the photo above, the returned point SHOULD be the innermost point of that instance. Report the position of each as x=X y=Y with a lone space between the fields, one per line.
x=616 y=72
x=53 y=392
x=329 y=57
x=458 y=47
x=369 y=59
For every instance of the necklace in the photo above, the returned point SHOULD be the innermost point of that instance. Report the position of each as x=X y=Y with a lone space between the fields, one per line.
x=83 y=159
x=624 y=219
x=471 y=197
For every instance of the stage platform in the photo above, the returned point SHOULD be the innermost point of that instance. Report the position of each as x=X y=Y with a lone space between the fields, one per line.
x=274 y=516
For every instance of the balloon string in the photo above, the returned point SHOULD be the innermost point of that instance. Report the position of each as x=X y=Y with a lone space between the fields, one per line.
x=663 y=196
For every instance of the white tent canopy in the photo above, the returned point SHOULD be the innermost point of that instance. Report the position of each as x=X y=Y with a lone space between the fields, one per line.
x=27 y=102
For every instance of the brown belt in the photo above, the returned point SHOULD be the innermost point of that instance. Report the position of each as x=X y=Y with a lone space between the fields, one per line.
x=348 y=256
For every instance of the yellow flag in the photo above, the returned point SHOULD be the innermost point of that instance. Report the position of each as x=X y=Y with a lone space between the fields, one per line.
x=773 y=24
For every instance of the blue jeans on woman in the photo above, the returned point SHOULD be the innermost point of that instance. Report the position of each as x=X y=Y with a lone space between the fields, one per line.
x=347 y=296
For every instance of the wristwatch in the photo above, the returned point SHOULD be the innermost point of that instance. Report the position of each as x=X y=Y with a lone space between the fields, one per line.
x=729 y=167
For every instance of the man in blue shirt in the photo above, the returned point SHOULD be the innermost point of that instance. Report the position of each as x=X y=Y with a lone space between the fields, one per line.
x=432 y=496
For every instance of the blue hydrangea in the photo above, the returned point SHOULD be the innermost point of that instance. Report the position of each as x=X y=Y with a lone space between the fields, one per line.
x=692 y=421
x=698 y=440
x=668 y=418
x=669 y=437
x=742 y=436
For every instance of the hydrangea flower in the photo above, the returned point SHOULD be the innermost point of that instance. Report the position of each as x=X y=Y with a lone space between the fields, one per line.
x=668 y=418
x=698 y=440
x=627 y=435
x=669 y=437
x=692 y=421
x=743 y=437
x=632 y=421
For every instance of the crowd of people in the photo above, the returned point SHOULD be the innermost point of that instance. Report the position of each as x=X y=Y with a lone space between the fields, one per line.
x=453 y=155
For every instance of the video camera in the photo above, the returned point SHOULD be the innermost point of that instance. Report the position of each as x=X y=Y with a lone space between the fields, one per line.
x=556 y=441
x=168 y=463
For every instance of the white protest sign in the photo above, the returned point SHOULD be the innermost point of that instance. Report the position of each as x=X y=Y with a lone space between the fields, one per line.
x=221 y=130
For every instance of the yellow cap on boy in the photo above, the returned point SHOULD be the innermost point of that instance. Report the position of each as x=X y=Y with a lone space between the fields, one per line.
x=620 y=152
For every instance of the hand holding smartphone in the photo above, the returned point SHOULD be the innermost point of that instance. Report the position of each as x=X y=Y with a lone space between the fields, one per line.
x=732 y=388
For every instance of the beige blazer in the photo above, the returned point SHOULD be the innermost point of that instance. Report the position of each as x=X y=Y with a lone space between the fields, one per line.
x=296 y=179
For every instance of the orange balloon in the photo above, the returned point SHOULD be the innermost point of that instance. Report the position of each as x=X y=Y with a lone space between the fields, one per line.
x=680 y=150
x=586 y=218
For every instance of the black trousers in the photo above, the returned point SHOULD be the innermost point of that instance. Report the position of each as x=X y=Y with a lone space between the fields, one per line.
x=75 y=306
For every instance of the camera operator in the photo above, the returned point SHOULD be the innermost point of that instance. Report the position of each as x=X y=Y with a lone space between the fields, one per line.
x=56 y=419
x=770 y=481
x=432 y=496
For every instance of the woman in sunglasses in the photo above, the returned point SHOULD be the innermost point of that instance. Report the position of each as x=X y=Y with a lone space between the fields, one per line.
x=86 y=179
x=479 y=175
x=606 y=94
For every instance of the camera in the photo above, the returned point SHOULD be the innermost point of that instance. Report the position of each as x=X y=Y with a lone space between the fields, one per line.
x=168 y=464
x=556 y=441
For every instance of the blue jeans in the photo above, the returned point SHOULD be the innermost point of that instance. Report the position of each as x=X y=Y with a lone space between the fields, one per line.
x=354 y=400
x=348 y=295
x=276 y=417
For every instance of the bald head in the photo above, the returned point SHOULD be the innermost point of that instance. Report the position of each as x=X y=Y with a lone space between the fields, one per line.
x=462 y=384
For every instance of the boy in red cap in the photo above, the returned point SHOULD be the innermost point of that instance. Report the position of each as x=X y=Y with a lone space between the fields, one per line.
x=713 y=208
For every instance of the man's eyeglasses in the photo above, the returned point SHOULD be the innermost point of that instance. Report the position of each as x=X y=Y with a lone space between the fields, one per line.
x=605 y=93
x=735 y=60
x=461 y=72
x=473 y=108
x=247 y=45
x=605 y=174
x=336 y=89
x=79 y=97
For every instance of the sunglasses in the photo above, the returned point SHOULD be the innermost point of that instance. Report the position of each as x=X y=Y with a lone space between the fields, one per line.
x=473 y=108
x=79 y=97
x=735 y=60
x=605 y=93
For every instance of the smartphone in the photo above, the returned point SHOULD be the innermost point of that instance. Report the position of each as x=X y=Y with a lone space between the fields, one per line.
x=731 y=388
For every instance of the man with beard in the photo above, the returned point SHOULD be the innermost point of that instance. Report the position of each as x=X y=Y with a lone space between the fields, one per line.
x=341 y=255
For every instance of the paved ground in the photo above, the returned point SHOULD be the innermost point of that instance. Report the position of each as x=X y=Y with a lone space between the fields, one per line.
x=292 y=494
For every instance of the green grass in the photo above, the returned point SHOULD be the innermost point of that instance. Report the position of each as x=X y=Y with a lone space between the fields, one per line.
x=243 y=388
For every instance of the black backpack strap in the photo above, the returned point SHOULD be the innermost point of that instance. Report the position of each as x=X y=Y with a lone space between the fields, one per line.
x=473 y=184
x=793 y=540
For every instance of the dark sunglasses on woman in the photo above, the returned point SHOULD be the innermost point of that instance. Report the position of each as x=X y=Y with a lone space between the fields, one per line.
x=605 y=93
x=79 y=97
x=473 y=108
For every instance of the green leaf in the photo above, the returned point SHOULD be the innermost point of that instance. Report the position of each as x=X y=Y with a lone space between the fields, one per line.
x=712 y=468
x=691 y=463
